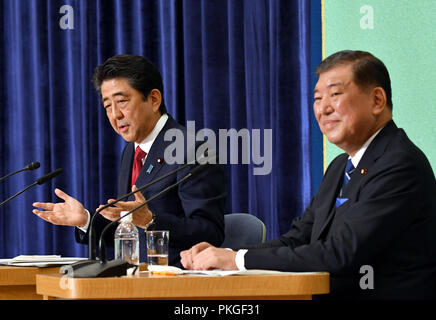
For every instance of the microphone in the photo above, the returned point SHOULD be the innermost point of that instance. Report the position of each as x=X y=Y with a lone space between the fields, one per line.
x=49 y=176
x=92 y=241
x=31 y=166
x=102 y=268
x=192 y=173
x=41 y=180
x=92 y=251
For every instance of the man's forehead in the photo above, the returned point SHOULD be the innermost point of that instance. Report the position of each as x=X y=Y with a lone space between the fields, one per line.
x=339 y=76
x=114 y=94
x=114 y=87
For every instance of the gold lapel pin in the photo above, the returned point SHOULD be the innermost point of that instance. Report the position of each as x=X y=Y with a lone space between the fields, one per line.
x=363 y=171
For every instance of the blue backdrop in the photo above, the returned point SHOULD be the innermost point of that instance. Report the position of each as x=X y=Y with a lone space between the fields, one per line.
x=225 y=64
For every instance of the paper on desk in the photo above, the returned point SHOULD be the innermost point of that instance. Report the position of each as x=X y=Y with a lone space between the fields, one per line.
x=216 y=272
x=40 y=260
x=251 y=272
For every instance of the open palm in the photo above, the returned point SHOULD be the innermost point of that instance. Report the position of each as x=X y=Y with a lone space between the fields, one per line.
x=68 y=213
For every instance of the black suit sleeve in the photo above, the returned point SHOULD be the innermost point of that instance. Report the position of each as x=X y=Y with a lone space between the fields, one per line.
x=392 y=202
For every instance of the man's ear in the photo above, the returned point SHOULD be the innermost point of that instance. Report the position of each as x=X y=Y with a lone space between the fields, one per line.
x=379 y=100
x=156 y=99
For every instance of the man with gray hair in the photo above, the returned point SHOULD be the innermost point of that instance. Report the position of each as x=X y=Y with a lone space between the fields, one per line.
x=375 y=208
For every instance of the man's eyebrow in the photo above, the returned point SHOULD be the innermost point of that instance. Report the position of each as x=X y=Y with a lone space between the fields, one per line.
x=119 y=93
x=334 y=84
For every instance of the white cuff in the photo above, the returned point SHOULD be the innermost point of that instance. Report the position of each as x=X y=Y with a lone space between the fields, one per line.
x=240 y=260
x=85 y=227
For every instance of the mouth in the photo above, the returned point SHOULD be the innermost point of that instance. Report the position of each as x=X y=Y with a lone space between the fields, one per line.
x=123 y=127
x=327 y=124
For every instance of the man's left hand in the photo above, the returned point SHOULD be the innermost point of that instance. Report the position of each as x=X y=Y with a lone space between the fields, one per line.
x=141 y=217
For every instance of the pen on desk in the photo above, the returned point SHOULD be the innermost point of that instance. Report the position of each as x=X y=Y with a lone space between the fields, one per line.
x=164 y=273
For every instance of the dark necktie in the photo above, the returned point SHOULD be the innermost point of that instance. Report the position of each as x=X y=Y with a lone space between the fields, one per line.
x=137 y=163
x=349 y=169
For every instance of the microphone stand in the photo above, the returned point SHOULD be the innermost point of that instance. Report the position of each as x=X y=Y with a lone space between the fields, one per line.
x=31 y=166
x=11 y=174
x=116 y=268
x=41 y=180
x=18 y=193
x=102 y=240
x=92 y=260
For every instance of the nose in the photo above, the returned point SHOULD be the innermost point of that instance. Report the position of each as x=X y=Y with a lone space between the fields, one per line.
x=116 y=112
x=323 y=106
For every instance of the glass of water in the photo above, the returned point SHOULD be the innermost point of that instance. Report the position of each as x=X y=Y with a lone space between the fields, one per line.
x=157 y=247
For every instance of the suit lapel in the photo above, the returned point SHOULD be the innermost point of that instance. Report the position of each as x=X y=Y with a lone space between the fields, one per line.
x=151 y=166
x=330 y=190
x=126 y=170
x=374 y=151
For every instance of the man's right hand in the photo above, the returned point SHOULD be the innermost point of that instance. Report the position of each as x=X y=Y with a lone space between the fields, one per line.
x=68 y=213
x=187 y=256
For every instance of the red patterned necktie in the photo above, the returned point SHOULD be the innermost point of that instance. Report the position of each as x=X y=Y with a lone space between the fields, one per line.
x=137 y=163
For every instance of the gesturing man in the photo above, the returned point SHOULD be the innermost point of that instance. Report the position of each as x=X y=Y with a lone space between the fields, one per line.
x=131 y=90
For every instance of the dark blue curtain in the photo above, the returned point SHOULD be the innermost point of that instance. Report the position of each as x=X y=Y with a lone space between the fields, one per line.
x=225 y=64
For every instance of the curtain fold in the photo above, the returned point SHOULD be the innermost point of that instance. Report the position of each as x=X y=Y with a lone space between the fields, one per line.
x=225 y=64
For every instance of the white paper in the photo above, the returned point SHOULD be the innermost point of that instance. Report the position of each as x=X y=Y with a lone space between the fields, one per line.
x=40 y=260
x=251 y=272
x=218 y=272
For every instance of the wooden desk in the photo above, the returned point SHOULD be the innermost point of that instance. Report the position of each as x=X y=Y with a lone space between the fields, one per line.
x=146 y=286
x=19 y=283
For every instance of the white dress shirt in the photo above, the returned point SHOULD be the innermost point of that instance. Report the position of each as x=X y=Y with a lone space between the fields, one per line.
x=145 y=145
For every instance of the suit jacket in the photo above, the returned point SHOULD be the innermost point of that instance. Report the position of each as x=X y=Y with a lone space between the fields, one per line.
x=192 y=212
x=388 y=223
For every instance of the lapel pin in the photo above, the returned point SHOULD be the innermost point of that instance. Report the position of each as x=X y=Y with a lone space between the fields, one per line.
x=363 y=171
x=150 y=168
x=159 y=160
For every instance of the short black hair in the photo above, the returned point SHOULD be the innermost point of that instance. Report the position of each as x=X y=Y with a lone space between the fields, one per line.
x=141 y=74
x=367 y=70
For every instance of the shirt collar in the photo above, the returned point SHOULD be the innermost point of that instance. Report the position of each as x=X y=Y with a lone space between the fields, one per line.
x=359 y=154
x=146 y=144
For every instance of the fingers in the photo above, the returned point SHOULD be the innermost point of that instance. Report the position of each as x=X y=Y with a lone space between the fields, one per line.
x=204 y=260
x=187 y=256
x=199 y=247
x=215 y=258
x=141 y=217
x=204 y=256
x=49 y=216
x=138 y=195
x=111 y=213
x=69 y=213
x=49 y=205
x=125 y=205
x=62 y=194
x=186 y=259
x=42 y=214
x=43 y=205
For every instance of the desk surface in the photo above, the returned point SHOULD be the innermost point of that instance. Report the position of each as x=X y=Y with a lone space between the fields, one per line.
x=20 y=282
x=147 y=286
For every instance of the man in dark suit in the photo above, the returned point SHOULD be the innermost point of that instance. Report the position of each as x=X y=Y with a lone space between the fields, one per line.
x=372 y=223
x=131 y=90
